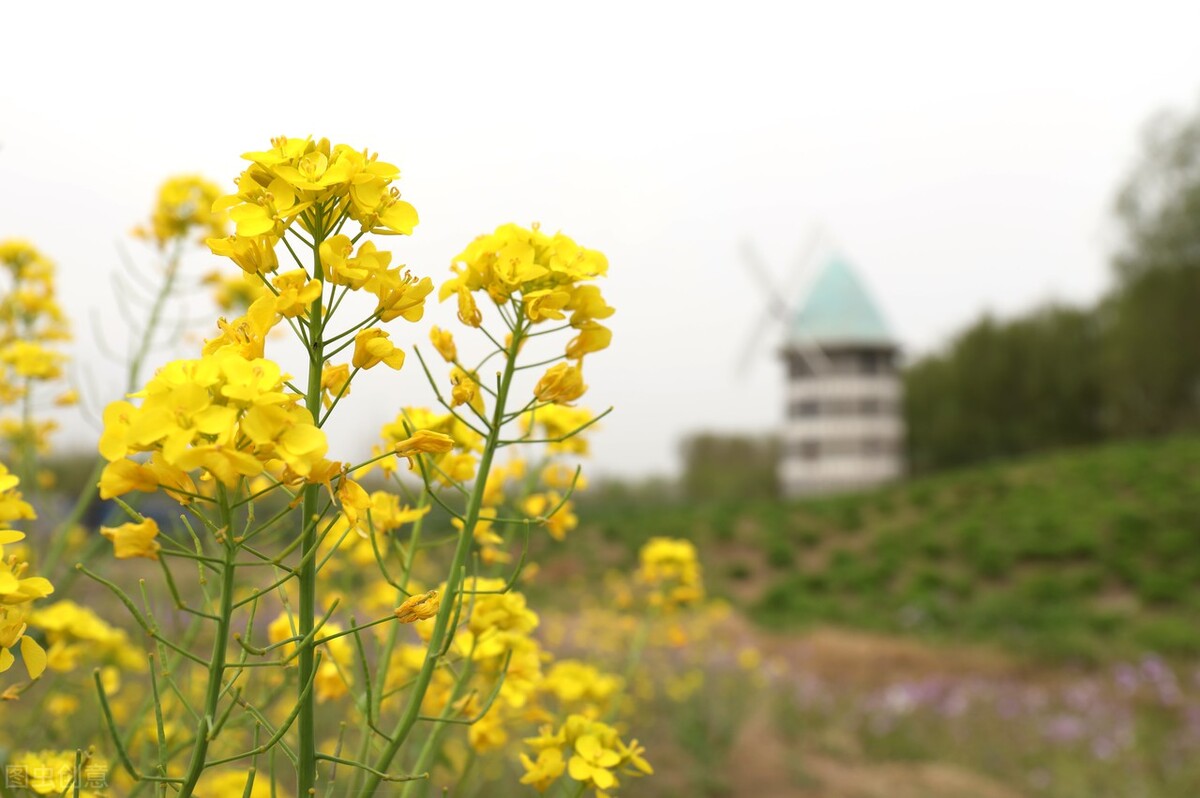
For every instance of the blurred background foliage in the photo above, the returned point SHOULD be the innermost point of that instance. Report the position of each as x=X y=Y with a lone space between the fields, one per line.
x=1062 y=376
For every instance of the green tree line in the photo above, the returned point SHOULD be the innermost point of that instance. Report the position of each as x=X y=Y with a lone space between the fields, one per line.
x=1059 y=376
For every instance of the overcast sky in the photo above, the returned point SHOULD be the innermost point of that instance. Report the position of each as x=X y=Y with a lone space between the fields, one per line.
x=963 y=155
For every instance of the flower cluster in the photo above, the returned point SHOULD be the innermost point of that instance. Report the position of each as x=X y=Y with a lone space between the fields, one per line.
x=581 y=688
x=589 y=751
x=32 y=326
x=17 y=591
x=224 y=414
x=320 y=186
x=184 y=204
x=549 y=276
x=76 y=633
x=298 y=174
x=670 y=569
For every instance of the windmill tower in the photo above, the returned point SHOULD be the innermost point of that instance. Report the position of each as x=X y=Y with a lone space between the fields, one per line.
x=844 y=426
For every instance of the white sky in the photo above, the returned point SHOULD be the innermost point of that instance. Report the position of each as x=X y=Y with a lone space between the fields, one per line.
x=963 y=157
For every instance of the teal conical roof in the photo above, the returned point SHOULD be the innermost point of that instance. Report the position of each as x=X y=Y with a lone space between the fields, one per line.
x=838 y=310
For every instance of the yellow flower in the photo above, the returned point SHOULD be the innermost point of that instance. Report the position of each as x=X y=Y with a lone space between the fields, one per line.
x=592 y=762
x=296 y=292
x=184 y=202
x=125 y=476
x=31 y=359
x=546 y=304
x=254 y=254
x=443 y=342
x=12 y=632
x=671 y=570
x=134 y=540
x=379 y=208
x=631 y=755
x=12 y=506
x=592 y=338
x=335 y=382
x=264 y=205
x=468 y=311
x=464 y=390
x=545 y=771
x=16 y=588
x=563 y=519
x=418 y=607
x=586 y=305
x=342 y=269
x=401 y=295
x=424 y=441
x=248 y=334
x=354 y=501
x=560 y=384
x=372 y=347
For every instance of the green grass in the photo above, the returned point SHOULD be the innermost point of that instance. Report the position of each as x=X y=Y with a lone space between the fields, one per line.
x=1090 y=554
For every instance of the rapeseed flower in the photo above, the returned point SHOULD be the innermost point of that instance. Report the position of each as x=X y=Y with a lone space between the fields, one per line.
x=134 y=540
x=443 y=342
x=561 y=384
x=184 y=203
x=372 y=347
x=224 y=414
x=418 y=607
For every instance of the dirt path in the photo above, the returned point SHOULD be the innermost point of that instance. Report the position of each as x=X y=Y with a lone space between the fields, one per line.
x=767 y=766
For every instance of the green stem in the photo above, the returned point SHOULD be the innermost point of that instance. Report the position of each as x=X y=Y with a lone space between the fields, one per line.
x=389 y=646
x=454 y=581
x=164 y=291
x=430 y=748
x=306 y=776
x=216 y=668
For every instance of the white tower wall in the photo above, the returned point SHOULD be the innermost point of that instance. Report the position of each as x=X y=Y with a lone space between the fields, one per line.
x=843 y=432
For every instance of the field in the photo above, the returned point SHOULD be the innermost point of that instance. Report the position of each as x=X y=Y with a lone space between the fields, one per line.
x=1022 y=629
x=1079 y=557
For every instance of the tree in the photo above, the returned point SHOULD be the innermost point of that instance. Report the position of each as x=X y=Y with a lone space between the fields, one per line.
x=1006 y=388
x=729 y=467
x=1152 y=363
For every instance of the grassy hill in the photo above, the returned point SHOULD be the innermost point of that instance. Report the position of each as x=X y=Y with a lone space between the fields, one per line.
x=1090 y=554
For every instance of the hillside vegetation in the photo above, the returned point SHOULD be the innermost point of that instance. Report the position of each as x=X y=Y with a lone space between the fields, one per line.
x=1090 y=554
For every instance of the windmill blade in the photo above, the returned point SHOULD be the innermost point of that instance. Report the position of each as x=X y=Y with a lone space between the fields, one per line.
x=814 y=356
x=811 y=248
x=762 y=275
x=746 y=353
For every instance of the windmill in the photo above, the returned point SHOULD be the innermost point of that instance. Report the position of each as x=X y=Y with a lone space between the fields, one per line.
x=844 y=427
x=779 y=300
